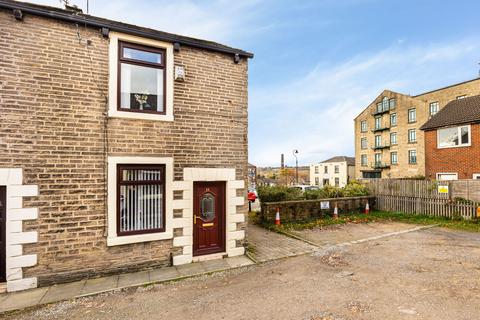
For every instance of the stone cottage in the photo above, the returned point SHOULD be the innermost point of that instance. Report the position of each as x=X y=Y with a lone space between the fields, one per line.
x=121 y=147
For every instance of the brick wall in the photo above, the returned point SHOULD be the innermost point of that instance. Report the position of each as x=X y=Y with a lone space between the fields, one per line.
x=465 y=160
x=307 y=209
x=53 y=94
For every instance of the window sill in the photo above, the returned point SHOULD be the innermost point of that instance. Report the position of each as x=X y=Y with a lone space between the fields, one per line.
x=412 y=142
x=123 y=240
x=140 y=115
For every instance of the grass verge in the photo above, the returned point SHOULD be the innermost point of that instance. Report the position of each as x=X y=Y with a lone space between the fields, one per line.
x=378 y=216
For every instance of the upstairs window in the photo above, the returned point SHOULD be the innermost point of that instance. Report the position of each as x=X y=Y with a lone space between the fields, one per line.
x=378 y=159
x=378 y=122
x=433 y=108
x=393 y=138
x=385 y=104
x=412 y=156
x=363 y=143
x=393 y=158
x=141 y=78
x=392 y=103
x=364 y=160
x=412 y=115
x=325 y=169
x=453 y=137
x=316 y=169
x=378 y=141
x=412 y=136
x=393 y=119
x=363 y=126
x=337 y=169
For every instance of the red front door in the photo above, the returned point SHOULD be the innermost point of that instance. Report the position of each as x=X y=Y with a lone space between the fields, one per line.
x=208 y=217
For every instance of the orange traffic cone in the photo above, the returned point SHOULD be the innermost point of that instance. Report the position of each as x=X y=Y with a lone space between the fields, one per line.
x=367 y=209
x=335 y=211
x=277 y=217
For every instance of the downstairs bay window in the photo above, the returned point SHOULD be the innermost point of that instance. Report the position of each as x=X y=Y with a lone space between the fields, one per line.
x=454 y=137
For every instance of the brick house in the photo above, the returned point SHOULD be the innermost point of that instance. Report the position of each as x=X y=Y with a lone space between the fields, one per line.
x=452 y=141
x=121 y=147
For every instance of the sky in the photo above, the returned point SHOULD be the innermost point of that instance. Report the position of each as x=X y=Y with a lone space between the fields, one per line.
x=318 y=64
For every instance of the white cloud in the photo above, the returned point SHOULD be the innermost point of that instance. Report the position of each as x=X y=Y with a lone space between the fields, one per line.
x=315 y=113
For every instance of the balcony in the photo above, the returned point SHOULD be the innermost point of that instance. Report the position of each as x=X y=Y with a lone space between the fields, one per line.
x=383 y=111
x=380 y=165
x=379 y=129
x=381 y=147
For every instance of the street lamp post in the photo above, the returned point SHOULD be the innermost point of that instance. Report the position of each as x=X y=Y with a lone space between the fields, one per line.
x=295 y=152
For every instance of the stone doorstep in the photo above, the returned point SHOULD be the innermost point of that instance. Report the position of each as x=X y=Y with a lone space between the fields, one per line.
x=56 y=293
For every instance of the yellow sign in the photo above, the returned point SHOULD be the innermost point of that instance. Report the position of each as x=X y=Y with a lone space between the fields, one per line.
x=442 y=189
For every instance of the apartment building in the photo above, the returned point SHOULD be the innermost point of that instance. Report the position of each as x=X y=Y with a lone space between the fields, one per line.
x=122 y=148
x=388 y=139
x=452 y=141
x=336 y=171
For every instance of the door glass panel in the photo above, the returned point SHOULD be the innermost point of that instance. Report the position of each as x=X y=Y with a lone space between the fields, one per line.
x=207 y=207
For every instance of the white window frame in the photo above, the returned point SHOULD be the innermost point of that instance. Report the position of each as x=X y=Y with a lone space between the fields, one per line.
x=378 y=141
x=459 y=136
x=378 y=122
x=396 y=157
x=393 y=115
x=476 y=176
x=363 y=143
x=410 y=131
x=415 y=115
x=363 y=126
x=393 y=134
x=416 y=157
x=115 y=37
x=364 y=156
x=434 y=103
x=447 y=173
x=112 y=238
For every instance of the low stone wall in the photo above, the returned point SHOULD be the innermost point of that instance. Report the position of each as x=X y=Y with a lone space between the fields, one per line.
x=306 y=209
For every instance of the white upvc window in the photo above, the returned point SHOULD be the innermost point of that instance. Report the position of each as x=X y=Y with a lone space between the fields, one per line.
x=393 y=119
x=412 y=135
x=412 y=156
x=434 y=106
x=412 y=115
x=363 y=126
x=393 y=158
x=378 y=122
x=378 y=141
x=393 y=138
x=363 y=143
x=445 y=176
x=454 y=137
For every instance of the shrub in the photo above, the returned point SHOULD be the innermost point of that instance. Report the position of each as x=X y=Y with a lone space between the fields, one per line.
x=355 y=189
x=279 y=193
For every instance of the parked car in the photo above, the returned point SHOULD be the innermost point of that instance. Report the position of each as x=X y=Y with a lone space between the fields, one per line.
x=304 y=187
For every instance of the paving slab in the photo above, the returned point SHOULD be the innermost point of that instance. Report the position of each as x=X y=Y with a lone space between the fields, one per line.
x=23 y=299
x=191 y=269
x=214 y=265
x=164 y=274
x=64 y=291
x=241 y=261
x=100 y=285
x=132 y=279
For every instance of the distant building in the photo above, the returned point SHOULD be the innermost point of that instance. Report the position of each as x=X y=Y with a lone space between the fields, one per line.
x=452 y=141
x=388 y=139
x=252 y=176
x=337 y=171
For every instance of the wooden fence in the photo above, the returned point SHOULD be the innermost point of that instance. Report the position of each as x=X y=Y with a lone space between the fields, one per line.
x=434 y=198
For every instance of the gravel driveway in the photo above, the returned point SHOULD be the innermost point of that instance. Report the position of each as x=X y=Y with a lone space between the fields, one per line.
x=429 y=274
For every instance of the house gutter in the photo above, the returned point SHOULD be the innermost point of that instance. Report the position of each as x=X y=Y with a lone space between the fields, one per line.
x=87 y=20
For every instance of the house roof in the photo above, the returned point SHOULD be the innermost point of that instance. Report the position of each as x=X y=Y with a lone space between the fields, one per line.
x=97 y=22
x=443 y=88
x=459 y=111
x=350 y=160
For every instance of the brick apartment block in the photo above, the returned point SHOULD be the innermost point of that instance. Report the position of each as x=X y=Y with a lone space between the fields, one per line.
x=121 y=147
x=388 y=139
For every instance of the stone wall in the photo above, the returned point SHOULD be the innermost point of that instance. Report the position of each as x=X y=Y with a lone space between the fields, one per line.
x=54 y=99
x=306 y=209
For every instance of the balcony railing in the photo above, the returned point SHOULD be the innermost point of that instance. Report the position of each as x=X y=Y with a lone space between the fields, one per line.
x=382 y=146
x=379 y=112
x=380 y=165
x=381 y=129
